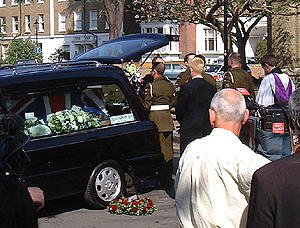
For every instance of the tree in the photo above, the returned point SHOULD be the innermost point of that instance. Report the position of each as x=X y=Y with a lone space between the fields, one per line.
x=21 y=49
x=114 y=12
x=261 y=49
x=57 y=56
x=243 y=15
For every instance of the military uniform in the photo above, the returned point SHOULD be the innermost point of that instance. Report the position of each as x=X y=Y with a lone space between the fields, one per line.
x=159 y=98
x=185 y=76
x=238 y=78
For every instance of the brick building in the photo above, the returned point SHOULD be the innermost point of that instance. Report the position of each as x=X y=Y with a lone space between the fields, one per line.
x=75 y=26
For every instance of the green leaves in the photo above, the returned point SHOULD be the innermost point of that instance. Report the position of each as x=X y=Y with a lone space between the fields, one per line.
x=21 y=49
x=62 y=122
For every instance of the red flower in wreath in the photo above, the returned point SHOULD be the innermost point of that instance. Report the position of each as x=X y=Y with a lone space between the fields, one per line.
x=125 y=201
x=150 y=204
x=144 y=208
x=113 y=207
x=135 y=202
x=134 y=209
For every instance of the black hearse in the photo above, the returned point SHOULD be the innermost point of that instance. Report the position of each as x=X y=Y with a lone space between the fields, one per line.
x=86 y=125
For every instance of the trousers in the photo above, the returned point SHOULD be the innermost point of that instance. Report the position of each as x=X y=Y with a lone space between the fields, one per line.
x=166 y=144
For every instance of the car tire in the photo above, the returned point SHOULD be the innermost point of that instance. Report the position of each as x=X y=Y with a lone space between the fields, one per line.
x=106 y=183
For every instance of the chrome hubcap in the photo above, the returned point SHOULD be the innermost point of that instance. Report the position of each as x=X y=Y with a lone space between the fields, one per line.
x=108 y=184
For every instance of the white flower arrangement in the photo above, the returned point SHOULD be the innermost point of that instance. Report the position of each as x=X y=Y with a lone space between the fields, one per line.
x=62 y=122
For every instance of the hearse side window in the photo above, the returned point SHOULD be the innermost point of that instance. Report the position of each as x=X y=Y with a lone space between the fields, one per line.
x=62 y=111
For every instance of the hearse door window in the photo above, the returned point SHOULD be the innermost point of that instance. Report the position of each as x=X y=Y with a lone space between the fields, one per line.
x=60 y=112
x=116 y=106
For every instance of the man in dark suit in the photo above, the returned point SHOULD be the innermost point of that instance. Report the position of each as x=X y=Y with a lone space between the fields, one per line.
x=192 y=105
x=275 y=188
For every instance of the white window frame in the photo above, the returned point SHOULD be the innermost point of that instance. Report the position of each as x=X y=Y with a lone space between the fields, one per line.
x=61 y=22
x=210 y=35
x=26 y=2
x=27 y=23
x=3 y=25
x=41 y=21
x=40 y=1
x=15 y=24
x=93 y=20
x=4 y=48
x=77 y=21
x=2 y=3
x=14 y=3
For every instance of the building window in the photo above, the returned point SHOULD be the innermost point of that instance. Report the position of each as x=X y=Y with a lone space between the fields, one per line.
x=148 y=30
x=160 y=30
x=14 y=2
x=2 y=3
x=41 y=23
x=40 y=1
x=4 y=49
x=3 y=25
x=26 y=2
x=61 y=22
x=15 y=25
x=210 y=40
x=77 y=21
x=106 y=24
x=93 y=20
x=27 y=23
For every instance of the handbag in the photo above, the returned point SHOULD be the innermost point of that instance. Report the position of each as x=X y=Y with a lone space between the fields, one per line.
x=275 y=117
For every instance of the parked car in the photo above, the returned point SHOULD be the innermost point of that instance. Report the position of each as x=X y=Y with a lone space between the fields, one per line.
x=215 y=70
x=173 y=70
x=21 y=62
x=86 y=124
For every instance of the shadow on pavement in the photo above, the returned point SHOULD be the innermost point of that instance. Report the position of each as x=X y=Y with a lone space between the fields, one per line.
x=62 y=205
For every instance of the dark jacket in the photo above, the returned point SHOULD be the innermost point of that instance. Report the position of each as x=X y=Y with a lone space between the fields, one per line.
x=192 y=110
x=275 y=194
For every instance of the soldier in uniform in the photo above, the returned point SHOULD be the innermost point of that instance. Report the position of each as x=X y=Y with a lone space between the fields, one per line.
x=159 y=98
x=237 y=77
x=185 y=76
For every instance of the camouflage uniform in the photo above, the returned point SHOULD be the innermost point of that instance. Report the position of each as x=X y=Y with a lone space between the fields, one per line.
x=159 y=98
x=238 y=78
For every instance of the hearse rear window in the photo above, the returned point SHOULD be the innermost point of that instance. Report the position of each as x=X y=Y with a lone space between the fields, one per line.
x=70 y=110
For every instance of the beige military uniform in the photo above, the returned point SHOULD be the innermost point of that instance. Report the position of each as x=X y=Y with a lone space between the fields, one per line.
x=238 y=78
x=159 y=98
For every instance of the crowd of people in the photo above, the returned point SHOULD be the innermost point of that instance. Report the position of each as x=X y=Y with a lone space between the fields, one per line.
x=220 y=181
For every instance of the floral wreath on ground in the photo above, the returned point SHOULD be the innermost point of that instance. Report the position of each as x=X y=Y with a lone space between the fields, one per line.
x=134 y=205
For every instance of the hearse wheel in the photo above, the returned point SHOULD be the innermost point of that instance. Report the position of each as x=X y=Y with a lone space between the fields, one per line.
x=106 y=183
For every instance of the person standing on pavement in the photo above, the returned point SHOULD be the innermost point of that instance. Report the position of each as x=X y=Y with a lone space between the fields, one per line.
x=270 y=84
x=212 y=184
x=192 y=105
x=159 y=98
x=275 y=88
x=237 y=77
x=185 y=76
x=275 y=188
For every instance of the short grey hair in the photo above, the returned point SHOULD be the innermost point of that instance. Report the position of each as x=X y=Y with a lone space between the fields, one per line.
x=294 y=108
x=229 y=104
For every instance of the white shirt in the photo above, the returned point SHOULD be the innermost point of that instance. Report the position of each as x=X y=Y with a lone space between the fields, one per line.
x=265 y=95
x=213 y=180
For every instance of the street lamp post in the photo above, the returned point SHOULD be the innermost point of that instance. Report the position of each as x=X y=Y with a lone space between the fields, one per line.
x=225 y=36
x=36 y=25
